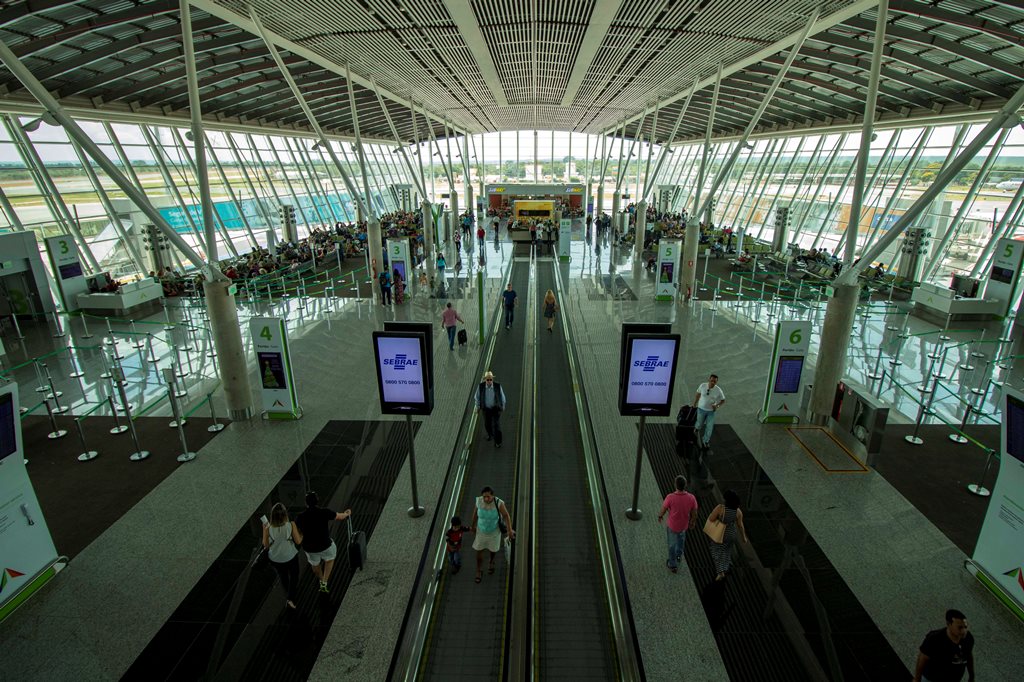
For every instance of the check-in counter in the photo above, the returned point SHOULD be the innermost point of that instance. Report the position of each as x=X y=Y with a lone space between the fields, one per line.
x=938 y=304
x=130 y=297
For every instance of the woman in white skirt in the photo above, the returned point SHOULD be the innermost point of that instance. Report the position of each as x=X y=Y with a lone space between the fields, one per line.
x=486 y=534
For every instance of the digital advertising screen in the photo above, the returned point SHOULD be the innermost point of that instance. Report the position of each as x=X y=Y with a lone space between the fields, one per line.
x=1014 y=427
x=1004 y=275
x=401 y=372
x=787 y=377
x=272 y=370
x=650 y=375
x=69 y=270
x=636 y=328
x=8 y=434
x=665 y=276
x=399 y=266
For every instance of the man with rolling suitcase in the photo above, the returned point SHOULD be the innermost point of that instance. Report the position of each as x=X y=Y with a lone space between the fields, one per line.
x=316 y=537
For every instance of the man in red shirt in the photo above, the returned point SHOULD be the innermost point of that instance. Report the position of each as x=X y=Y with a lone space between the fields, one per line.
x=680 y=507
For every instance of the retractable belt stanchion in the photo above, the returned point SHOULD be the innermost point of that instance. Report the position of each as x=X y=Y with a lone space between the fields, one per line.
x=109 y=339
x=87 y=454
x=56 y=322
x=874 y=375
x=152 y=351
x=169 y=326
x=979 y=488
x=54 y=393
x=41 y=387
x=118 y=426
x=216 y=426
x=139 y=453
x=55 y=433
x=17 y=327
x=76 y=367
x=959 y=437
x=914 y=439
x=976 y=353
x=179 y=421
x=86 y=334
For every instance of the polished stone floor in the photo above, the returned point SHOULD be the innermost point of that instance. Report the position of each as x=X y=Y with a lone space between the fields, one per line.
x=120 y=590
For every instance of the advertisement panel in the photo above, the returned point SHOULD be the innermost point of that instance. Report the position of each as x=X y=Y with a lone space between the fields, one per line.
x=668 y=269
x=274 y=366
x=564 y=238
x=1004 y=273
x=402 y=376
x=67 y=270
x=787 y=372
x=1000 y=549
x=26 y=548
x=649 y=375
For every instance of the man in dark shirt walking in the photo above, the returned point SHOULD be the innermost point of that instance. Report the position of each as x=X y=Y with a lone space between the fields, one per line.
x=947 y=652
x=510 y=301
x=490 y=398
x=316 y=537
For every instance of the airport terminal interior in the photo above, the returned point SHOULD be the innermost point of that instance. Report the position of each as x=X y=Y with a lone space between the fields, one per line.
x=479 y=340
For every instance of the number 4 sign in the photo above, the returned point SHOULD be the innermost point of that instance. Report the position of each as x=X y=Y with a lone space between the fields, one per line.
x=274 y=365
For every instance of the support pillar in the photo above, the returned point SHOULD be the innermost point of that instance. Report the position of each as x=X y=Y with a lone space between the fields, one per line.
x=454 y=225
x=616 y=205
x=640 y=232
x=234 y=372
x=835 y=337
x=428 y=240
x=688 y=278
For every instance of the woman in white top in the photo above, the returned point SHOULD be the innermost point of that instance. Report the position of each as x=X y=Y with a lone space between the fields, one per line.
x=281 y=538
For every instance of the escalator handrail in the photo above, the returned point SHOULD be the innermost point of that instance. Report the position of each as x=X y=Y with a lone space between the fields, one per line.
x=419 y=614
x=627 y=650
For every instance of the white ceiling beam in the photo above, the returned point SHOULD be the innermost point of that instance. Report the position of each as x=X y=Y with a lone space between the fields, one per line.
x=246 y=24
x=597 y=29
x=110 y=114
x=462 y=14
x=776 y=47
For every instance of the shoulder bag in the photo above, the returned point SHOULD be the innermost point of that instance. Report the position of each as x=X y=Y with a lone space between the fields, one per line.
x=715 y=530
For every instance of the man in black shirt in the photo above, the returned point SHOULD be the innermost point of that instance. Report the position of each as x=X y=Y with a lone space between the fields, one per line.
x=316 y=537
x=947 y=652
x=510 y=301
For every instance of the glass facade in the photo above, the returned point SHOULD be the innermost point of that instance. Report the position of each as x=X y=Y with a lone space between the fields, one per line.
x=47 y=187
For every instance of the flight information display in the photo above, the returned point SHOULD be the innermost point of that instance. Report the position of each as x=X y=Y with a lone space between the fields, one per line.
x=1015 y=427
x=787 y=378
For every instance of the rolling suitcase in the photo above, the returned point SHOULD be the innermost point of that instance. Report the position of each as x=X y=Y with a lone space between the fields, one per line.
x=463 y=337
x=356 y=547
x=686 y=420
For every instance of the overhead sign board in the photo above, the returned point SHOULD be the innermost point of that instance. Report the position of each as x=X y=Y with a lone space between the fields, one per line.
x=787 y=373
x=402 y=375
x=649 y=375
x=274 y=366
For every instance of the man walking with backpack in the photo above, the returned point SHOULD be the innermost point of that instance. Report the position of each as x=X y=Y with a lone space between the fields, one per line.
x=385 y=287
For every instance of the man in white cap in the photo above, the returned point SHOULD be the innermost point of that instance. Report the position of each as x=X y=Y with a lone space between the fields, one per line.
x=491 y=399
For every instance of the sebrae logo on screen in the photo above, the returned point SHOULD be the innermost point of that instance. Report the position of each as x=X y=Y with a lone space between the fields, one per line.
x=400 y=362
x=651 y=363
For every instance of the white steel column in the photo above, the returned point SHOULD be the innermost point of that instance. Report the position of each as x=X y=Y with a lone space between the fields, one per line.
x=853 y=226
x=965 y=206
x=196 y=113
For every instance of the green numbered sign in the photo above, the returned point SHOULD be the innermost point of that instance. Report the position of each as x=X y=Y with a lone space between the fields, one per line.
x=265 y=334
x=63 y=246
x=796 y=336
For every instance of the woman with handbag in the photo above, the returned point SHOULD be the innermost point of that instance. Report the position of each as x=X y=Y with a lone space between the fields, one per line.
x=489 y=514
x=722 y=523
x=281 y=538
